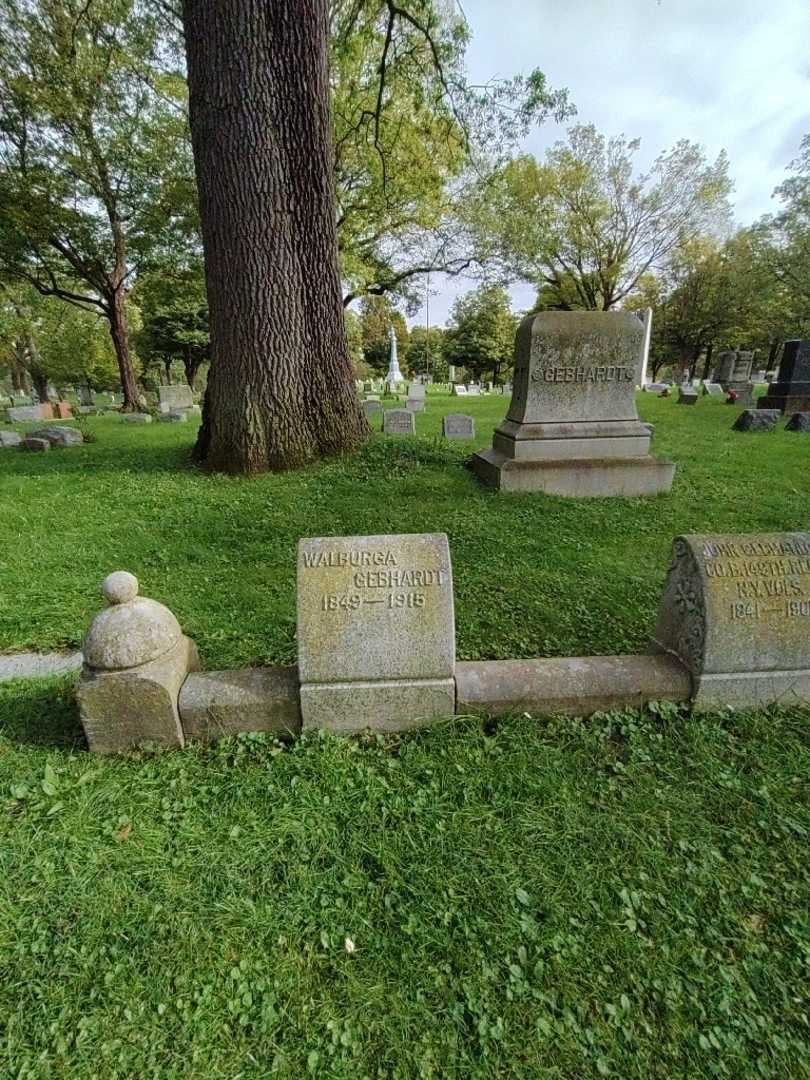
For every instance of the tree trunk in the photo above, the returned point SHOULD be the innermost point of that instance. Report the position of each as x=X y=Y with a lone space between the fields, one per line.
x=280 y=386
x=119 y=332
x=707 y=365
x=191 y=365
x=40 y=381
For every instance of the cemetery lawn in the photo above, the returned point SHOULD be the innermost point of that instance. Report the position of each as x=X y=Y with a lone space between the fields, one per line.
x=626 y=897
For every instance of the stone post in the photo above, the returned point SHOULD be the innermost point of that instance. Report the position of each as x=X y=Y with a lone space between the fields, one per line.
x=136 y=659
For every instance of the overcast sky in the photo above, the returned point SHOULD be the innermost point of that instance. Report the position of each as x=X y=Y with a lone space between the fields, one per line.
x=729 y=74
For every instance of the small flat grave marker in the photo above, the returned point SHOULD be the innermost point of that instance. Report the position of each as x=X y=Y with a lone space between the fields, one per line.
x=757 y=420
x=458 y=426
x=376 y=631
x=398 y=422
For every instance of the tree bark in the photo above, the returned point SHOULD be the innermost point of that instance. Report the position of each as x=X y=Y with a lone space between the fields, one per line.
x=280 y=386
x=119 y=332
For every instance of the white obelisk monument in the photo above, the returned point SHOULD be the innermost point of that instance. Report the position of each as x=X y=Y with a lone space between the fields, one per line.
x=394 y=375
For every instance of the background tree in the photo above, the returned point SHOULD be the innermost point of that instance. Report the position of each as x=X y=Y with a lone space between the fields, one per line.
x=377 y=316
x=93 y=168
x=425 y=353
x=53 y=343
x=585 y=227
x=481 y=333
x=174 y=315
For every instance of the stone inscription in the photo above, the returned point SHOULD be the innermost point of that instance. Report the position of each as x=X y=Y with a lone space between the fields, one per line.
x=767 y=578
x=398 y=422
x=593 y=374
x=372 y=608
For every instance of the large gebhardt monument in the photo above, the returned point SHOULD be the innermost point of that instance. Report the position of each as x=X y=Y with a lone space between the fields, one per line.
x=790 y=391
x=572 y=427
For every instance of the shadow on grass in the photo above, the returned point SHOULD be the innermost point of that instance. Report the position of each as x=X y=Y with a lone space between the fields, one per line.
x=100 y=458
x=40 y=712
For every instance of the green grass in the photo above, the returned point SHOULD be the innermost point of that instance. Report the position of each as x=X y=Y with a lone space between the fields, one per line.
x=534 y=575
x=627 y=897
x=624 y=897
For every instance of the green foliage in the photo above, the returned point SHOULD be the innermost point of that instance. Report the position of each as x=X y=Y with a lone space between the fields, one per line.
x=481 y=334
x=426 y=352
x=174 y=313
x=586 y=227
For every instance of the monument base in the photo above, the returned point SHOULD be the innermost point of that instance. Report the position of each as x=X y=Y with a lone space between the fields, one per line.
x=788 y=403
x=576 y=479
x=751 y=690
x=390 y=705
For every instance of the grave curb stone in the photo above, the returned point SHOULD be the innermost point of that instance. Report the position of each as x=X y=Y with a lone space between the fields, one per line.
x=214 y=704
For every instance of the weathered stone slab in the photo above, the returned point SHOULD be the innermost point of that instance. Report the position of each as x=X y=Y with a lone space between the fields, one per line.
x=415 y=405
x=713 y=389
x=572 y=427
x=416 y=391
x=687 y=395
x=36 y=446
x=58 y=435
x=376 y=631
x=23 y=413
x=175 y=416
x=458 y=426
x=474 y=390
x=459 y=390
x=574 y=686
x=757 y=420
x=137 y=418
x=175 y=397
x=800 y=421
x=217 y=703
x=372 y=406
x=398 y=422
x=736 y=611
x=9 y=438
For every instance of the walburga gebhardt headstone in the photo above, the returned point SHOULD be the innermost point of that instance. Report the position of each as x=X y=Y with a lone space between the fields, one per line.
x=376 y=631
x=572 y=427
x=736 y=611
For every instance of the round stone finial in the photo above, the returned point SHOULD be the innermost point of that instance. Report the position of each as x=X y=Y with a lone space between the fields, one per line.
x=120 y=587
x=132 y=631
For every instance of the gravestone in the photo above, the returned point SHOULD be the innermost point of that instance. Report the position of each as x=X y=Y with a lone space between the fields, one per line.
x=791 y=391
x=800 y=421
x=57 y=435
x=9 y=438
x=474 y=390
x=458 y=426
x=713 y=389
x=371 y=408
x=757 y=420
x=687 y=395
x=415 y=405
x=416 y=397
x=376 y=631
x=733 y=372
x=24 y=413
x=398 y=422
x=736 y=611
x=137 y=418
x=459 y=390
x=175 y=397
x=37 y=446
x=572 y=428
x=655 y=387
x=175 y=416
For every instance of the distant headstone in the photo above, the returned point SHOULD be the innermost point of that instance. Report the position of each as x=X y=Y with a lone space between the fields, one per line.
x=655 y=387
x=459 y=390
x=458 y=426
x=59 y=436
x=757 y=420
x=9 y=438
x=175 y=397
x=137 y=418
x=415 y=404
x=24 y=413
x=572 y=427
x=37 y=446
x=687 y=395
x=733 y=372
x=791 y=392
x=800 y=421
x=416 y=391
x=376 y=631
x=736 y=611
x=713 y=389
x=371 y=407
x=474 y=390
x=398 y=422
